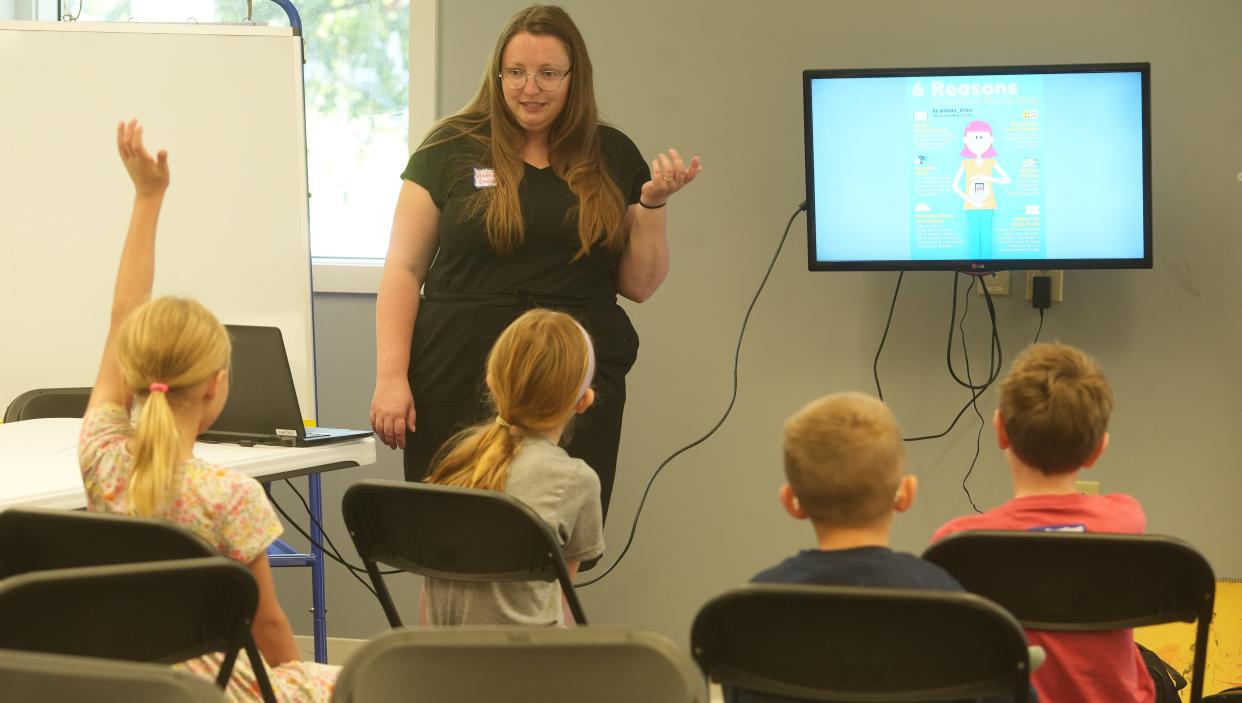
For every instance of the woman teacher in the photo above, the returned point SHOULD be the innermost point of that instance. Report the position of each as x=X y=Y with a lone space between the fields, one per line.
x=523 y=199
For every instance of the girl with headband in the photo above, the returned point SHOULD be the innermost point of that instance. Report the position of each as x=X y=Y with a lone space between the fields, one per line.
x=538 y=376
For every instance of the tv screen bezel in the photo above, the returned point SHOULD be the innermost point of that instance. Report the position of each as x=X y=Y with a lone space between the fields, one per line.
x=968 y=265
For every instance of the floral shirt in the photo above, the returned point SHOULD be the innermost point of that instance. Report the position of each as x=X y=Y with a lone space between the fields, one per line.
x=228 y=509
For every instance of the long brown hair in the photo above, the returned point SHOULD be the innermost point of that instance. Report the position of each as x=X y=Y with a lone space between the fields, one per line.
x=179 y=343
x=574 y=148
x=537 y=371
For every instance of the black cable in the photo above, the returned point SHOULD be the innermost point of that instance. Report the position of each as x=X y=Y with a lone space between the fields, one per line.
x=994 y=363
x=327 y=553
x=875 y=365
x=994 y=368
x=961 y=328
x=1041 y=326
x=310 y=514
x=737 y=353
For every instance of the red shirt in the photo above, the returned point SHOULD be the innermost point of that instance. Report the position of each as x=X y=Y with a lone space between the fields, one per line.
x=1082 y=667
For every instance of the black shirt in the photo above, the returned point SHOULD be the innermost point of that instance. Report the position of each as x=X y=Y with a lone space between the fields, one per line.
x=863 y=566
x=544 y=264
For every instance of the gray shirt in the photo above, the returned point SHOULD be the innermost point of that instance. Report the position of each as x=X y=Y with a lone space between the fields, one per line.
x=564 y=492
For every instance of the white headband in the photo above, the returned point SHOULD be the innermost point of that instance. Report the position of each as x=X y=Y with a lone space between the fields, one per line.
x=590 y=370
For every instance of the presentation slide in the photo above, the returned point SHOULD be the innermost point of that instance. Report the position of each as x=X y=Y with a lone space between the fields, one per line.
x=978 y=167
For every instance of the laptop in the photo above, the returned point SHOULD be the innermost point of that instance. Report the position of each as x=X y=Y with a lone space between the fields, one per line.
x=263 y=403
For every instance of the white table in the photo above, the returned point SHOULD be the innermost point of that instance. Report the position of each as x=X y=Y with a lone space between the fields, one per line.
x=39 y=468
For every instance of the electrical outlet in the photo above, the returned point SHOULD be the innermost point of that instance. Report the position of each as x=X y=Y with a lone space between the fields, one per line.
x=1058 y=283
x=997 y=283
x=1090 y=488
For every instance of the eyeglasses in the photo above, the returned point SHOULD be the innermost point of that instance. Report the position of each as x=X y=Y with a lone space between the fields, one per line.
x=546 y=79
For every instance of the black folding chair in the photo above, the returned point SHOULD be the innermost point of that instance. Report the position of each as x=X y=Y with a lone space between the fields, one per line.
x=452 y=533
x=35 y=677
x=36 y=540
x=524 y=665
x=48 y=402
x=164 y=612
x=850 y=644
x=1075 y=582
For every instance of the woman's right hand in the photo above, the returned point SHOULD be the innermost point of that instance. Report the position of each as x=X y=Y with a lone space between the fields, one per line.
x=392 y=411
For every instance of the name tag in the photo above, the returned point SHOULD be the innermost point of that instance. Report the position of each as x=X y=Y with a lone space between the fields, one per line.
x=484 y=178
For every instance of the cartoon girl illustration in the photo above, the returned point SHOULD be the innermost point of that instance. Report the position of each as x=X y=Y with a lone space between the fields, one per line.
x=979 y=198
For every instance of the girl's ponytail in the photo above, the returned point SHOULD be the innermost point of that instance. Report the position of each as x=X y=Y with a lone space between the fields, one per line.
x=154 y=448
x=539 y=369
x=165 y=347
x=477 y=457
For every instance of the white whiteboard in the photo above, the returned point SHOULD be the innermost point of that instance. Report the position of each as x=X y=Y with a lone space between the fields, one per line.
x=226 y=102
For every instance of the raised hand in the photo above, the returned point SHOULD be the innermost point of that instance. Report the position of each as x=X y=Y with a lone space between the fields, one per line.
x=669 y=174
x=149 y=174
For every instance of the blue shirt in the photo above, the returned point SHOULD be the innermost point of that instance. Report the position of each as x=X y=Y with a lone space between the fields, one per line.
x=862 y=566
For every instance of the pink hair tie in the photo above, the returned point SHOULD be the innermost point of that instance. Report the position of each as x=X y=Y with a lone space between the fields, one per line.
x=158 y=387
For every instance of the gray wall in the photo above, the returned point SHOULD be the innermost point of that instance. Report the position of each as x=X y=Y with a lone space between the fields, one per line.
x=723 y=81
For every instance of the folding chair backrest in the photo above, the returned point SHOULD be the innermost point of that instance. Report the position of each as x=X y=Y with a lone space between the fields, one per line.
x=1081 y=581
x=48 y=402
x=1086 y=581
x=162 y=612
x=452 y=533
x=520 y=665
x=829 y=643
x=32 y=677
x=33 y=539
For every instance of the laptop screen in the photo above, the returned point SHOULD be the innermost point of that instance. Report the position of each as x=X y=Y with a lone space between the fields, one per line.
x=262 y=398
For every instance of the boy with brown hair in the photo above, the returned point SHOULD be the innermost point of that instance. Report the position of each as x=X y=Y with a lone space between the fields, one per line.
x=1052 y=423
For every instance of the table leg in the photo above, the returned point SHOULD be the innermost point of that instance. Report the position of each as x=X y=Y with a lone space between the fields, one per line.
x=318 y=599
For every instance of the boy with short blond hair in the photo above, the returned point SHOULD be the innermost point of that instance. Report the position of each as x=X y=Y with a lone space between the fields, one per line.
x=844 y=462
x=1052 y=423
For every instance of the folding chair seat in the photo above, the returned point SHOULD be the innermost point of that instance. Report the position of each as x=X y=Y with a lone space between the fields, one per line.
x=452 y=533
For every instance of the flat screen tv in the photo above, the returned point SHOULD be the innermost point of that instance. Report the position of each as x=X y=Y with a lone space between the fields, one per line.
x=979 y=169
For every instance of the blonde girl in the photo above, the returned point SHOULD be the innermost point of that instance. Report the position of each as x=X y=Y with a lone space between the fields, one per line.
x=170 y=357
x=539 y=375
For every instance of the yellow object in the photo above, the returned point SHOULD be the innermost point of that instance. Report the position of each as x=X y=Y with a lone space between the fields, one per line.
x=308 y=423
x=1089 y=488
x=1174 y=642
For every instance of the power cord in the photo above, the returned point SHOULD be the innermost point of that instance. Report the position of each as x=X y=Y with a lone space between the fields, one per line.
x=328 y=553
x=310 y=514
x=974 y=399
x=1041 y=299
x=331 y=551
x=875 y=365
x=995 y=364
x=978 y=391
x=737 y=352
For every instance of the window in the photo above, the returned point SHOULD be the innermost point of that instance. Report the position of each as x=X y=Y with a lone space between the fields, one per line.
x=357 y=111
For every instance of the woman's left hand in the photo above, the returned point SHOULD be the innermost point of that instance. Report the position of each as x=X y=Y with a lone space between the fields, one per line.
x=669 y=174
